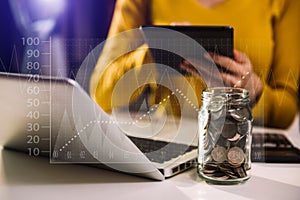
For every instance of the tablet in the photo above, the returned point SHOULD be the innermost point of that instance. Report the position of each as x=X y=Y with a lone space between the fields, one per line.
x=215 y=39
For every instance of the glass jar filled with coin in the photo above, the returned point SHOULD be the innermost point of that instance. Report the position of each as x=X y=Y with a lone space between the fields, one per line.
x=225 y=126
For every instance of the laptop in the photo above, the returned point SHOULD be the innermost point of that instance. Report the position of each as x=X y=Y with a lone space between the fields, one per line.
x=271 y=145
x=55 y=117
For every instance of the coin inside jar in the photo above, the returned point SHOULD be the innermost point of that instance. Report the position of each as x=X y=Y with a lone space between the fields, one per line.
x=229 y=129
x=239 y=115
x=218 y=154
x=241 y=172
x=243 y=127
x=235 y=156
x=235 y=138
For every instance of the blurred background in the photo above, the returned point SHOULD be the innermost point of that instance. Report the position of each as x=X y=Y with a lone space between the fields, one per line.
x=74 y=26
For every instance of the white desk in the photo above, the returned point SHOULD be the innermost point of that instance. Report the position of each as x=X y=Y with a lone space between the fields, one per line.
x=22 y=177
x=35 y=179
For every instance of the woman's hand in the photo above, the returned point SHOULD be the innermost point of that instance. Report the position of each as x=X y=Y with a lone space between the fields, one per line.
x=240 y=74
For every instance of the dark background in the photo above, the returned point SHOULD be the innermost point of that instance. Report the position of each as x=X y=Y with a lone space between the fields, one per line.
x=82 y=25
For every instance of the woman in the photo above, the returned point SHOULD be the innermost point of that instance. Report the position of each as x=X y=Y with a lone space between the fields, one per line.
x=266 y=31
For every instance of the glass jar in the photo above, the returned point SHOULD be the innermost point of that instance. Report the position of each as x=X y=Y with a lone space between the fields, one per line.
x=225 y=126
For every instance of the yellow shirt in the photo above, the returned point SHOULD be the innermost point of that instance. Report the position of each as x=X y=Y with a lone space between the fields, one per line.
x=268 y=31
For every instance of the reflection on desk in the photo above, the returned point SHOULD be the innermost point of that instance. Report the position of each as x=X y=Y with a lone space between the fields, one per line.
x=24 y=177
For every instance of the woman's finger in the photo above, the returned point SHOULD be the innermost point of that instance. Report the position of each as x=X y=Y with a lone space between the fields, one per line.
x=228 y=63
x=239 y=69
x=240 y=57
x=231 y=80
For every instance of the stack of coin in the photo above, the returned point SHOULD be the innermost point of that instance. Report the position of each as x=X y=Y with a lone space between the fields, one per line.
x=225 y=153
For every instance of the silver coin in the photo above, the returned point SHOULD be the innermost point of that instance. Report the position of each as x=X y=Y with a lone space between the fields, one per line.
x=235 y=138
x=243 y=127
x=206 y=171
x=235 y=156
x=229 y=129
x=210 y=166
x=241 y=172
x=218 y=154
x=239 y=115
x=226 y=168
x=232 y=176
x=242 y=142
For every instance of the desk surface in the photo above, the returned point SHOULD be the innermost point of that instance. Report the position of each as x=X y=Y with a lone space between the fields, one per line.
x=24 y=177
x=34 y=178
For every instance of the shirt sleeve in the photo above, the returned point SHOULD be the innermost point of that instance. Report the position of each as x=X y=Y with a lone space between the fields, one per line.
x=129 y=14
x=278 y=103
x=116 y=58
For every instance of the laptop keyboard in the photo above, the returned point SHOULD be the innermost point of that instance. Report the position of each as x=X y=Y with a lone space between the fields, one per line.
x=267 y=147
x=160 y=151
x=273 y=148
